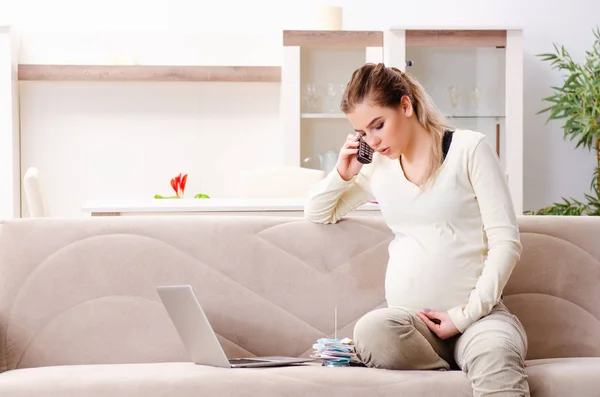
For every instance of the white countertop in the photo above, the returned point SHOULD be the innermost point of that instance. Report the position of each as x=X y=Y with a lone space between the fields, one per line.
x=205 y=205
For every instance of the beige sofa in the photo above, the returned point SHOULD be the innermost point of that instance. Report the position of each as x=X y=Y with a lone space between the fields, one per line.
x=80 y=316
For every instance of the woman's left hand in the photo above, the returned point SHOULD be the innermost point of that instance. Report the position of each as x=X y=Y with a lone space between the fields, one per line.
x=439 y=323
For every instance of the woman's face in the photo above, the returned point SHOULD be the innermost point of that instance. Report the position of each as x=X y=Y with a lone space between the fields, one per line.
x=386 y=130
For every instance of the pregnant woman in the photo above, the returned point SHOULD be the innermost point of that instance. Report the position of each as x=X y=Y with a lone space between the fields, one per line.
x=445 y=196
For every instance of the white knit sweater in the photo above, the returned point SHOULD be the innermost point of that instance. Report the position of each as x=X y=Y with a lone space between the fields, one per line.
x=456 y=241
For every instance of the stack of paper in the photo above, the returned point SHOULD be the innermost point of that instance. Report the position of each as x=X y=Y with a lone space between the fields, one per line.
x=334 y=351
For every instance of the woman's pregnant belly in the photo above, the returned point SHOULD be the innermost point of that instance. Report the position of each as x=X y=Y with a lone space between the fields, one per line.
x=438 y=274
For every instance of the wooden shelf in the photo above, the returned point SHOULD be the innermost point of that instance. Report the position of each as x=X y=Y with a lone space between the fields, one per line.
x=455 y=38
x=414 y=37
x=149 y=73
x=332 y=38
x=323 y=115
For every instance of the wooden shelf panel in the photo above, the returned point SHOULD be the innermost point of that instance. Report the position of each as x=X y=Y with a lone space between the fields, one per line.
x=336 y=115
x=414 y=37
x=332 y=38
x=149 y=73
x=455 y=38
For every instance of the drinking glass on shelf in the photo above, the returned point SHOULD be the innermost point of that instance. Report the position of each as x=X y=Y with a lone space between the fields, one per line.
x=475 y=96
x=342 y=90
x=311 y=162
x=332 y=98
x=454 y=93
x=311 y=98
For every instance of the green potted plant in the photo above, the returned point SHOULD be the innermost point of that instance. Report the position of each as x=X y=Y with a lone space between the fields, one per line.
x=578 y=103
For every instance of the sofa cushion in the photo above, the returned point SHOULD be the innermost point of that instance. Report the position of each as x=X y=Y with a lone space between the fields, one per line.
x=547 y=378
x=189 y=380
x=564 y=377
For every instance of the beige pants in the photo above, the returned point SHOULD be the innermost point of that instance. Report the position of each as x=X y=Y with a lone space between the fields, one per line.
x=491 y=351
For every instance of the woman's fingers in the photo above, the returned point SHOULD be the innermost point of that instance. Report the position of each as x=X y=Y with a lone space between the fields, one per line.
x=351 y=143
x=350 y=147
x=433 y=316
x=430 y=324
x=349 y=151
x=351 y=138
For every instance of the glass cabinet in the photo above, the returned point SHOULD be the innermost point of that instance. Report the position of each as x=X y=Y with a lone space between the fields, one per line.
x=317 y=66
x=474 y=76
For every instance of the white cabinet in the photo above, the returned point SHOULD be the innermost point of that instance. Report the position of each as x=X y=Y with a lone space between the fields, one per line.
x=317 y=66
x=474 y=76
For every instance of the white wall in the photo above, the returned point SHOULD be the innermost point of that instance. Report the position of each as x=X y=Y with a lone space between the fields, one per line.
x=116 y=141
x=119 y=141
x=10 y=196
x=62 y=120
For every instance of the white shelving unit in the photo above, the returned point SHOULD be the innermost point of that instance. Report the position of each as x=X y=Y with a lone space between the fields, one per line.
x=149 y=73
x=484 y=65
x=492 y=57
x=326 y=60
x=323 y=116
x=489 y=59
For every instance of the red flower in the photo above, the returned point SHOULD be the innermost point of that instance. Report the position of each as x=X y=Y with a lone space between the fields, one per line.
x=182 y=184
x=178 y=184
x=175 y=186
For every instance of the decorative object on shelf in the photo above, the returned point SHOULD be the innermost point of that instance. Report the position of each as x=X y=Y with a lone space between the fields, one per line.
x=577 y=102
x=178 y=184
x=454 y=94
x=311 y=98
x=326 y=161
x=475 y=97
x=198 y=196
x=332 y=99
x=329 y=18
x=310 y=162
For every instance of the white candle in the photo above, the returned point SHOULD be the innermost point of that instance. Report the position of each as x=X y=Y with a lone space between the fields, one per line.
x=329 y=18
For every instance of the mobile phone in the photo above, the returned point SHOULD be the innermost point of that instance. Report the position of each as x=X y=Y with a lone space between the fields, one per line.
x=365 y=152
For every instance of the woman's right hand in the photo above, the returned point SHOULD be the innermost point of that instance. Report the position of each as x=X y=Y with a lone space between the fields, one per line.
x=348 y=165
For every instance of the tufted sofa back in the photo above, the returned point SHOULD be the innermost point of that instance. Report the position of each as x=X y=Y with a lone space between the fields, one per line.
x=83 y=290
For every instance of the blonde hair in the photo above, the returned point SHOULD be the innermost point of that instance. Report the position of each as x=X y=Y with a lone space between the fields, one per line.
x=385 y=86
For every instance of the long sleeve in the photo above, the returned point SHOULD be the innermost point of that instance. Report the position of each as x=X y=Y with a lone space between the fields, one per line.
x=501 y=229
x=333 y=197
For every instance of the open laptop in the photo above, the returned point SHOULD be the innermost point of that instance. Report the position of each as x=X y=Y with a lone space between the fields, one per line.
x=198 y=336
